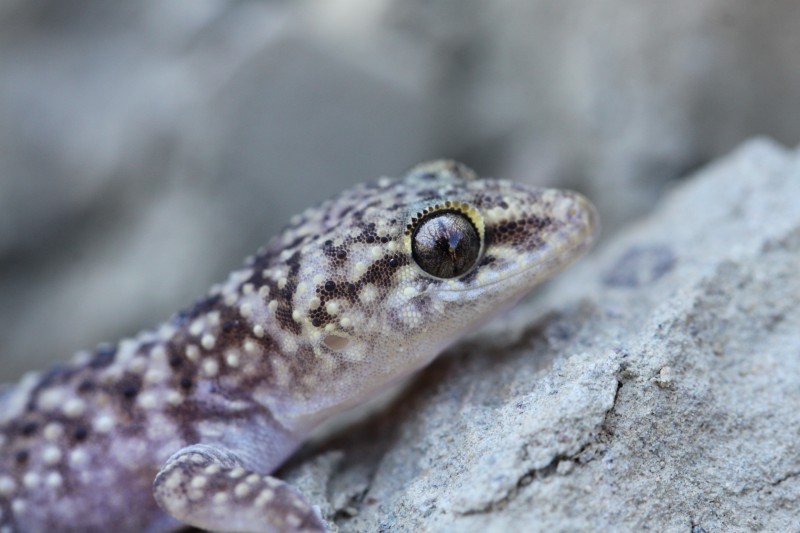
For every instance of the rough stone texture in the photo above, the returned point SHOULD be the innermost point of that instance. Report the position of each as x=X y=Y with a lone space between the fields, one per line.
x=147 y=147
x=655 y=386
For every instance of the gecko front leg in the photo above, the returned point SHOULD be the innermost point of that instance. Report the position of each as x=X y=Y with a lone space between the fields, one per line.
x=209 y=487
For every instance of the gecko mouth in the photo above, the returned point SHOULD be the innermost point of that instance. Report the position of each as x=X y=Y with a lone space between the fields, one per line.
x=497 y=281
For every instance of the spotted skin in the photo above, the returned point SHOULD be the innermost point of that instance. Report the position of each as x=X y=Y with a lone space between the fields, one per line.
x=184 y=424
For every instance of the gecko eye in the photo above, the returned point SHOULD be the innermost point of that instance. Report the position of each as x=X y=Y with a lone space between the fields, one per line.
x=445 y=244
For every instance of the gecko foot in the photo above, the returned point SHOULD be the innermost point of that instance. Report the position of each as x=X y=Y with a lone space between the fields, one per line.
x=207 y=487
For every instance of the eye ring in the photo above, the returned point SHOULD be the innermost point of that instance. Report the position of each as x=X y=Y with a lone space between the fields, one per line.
x=445 y=242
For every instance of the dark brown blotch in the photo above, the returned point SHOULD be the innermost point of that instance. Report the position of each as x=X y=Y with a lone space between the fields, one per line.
x=296 y=242
x=283 y=313
x=80 y=433
x=57 y=375
x=28 y=429
x=380 y=273
x=487 y=260
x=130 y=387
x=21 y=456
x=336 y=254
x=103 y=357
x=197 y=309
x=86 y=386
x=522 y=231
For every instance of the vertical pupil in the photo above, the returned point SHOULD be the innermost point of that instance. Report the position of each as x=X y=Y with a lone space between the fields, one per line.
x=455 y=238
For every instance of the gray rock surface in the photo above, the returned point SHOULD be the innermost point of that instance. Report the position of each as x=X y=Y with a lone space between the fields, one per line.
x=654 y=386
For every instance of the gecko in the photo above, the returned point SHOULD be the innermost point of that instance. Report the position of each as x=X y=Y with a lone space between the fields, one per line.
x=185 y=423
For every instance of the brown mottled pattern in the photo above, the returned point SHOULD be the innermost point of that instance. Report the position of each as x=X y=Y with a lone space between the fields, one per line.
x=185 y=423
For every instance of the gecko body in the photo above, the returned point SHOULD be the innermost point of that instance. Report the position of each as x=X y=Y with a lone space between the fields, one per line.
x=184 y=424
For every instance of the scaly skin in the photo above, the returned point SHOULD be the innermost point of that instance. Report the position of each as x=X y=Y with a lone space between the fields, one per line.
x=185 y=423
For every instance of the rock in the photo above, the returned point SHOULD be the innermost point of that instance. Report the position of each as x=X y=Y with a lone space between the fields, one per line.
x=653 y=386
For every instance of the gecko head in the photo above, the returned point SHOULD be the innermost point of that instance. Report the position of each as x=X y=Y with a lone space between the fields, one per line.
x=389 y=273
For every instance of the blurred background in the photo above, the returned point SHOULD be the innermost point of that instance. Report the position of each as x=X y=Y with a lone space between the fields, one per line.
x=147 y=147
